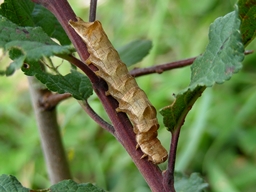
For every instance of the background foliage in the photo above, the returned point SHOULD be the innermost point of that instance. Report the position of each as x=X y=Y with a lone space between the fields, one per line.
x=217 y=140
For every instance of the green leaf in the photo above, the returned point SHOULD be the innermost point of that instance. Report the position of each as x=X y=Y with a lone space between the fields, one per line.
x=12 y=32
x=9 y=183
x=44 y=18
x=27 y=44
x=36 y=50
x=175 y=114
x=26 y=13
x=71 y=186
x=16 y=64
x=74 y=83
x=193 y=183
x=247 y=14
x=18 y=12
x=135 y=51
x=222 y=58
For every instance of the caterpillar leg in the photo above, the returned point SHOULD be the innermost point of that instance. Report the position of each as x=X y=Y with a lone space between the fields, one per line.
x=143 y=156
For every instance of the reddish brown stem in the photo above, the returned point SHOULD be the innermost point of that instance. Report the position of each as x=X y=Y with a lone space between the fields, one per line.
x=169 y=174
x=94 y=78
x=168 y=66
x=87 y=108
x=50 y=100
x=93 y=8
x=161 y=68
x=123 y=128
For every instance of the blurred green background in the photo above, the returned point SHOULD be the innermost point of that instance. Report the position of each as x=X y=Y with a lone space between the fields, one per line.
x=218 y=139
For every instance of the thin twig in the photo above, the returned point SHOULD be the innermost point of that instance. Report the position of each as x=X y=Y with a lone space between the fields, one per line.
x=92 y=76
x=87 y=108
x=169 y=174
x=93 y=9
x=50 y=100
x=168 y=66
x=162 y=67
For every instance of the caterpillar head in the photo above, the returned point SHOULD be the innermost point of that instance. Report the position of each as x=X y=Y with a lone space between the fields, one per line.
x=87 y=30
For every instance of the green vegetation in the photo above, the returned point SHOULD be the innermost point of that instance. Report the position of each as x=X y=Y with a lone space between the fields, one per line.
x=217 y=139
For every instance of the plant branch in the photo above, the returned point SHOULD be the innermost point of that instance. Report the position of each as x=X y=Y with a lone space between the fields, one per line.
x=169 y=174
x=162 y=67
x=168 y=66
x=123 y=128
x=49 y=100
x=93 y=8
x=87 y=108
x=54 y=154
x=91 y=75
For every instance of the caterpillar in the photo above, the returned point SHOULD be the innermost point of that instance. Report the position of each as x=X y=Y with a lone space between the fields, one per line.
x=123 y=87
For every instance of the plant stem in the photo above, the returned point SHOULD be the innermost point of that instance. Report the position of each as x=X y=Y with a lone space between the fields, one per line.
x=162 y=67
x=87 y=108
x=93 y=8
x=54 y=154
x=50 y=100
x=169 y=174
x=168 y=66
x=123 y=128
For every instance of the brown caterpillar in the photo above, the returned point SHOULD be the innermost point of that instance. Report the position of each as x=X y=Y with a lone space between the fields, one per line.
x=123 y=87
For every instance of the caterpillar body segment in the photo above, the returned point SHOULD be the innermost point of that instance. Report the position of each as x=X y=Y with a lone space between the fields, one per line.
x=123 y=87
